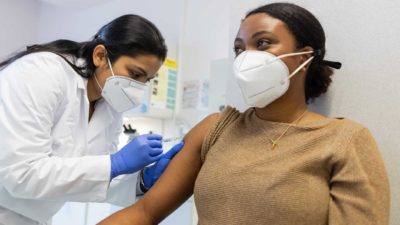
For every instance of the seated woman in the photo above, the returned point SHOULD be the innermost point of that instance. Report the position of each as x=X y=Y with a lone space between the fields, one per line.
x=276 y=163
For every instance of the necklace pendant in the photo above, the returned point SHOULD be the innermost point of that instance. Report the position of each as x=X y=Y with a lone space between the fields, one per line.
x=273 y=144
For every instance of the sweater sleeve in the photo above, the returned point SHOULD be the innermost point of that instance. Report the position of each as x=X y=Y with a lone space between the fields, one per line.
x=226 y=117
x=359 y=186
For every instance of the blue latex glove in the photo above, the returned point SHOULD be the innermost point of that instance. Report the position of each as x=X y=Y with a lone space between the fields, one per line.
x=138 y=153
x=152 y=173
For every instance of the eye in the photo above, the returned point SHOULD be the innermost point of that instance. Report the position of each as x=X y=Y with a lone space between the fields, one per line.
x=262 y=44
x=237 y=50
x=135 y=75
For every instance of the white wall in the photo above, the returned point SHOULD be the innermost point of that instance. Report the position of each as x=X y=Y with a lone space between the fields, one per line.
x=81 y=23
x=364 y=36
x=205 y=38
x=18 y=22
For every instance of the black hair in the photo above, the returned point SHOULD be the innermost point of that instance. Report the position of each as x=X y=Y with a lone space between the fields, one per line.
x=128 y=35
x=307 y=31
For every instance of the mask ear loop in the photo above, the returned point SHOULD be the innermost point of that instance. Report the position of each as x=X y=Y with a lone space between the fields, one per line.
x=289 y=54
x=109 y=64
x=112 y=72
x=301 y=67
x=294 y=54
x=282 y=56
x=98 y=84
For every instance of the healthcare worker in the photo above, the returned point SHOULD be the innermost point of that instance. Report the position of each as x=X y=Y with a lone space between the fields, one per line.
x=60 y=119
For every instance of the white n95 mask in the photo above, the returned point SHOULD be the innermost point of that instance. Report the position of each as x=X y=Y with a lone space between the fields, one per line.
x=263 y=77
x=122 y=93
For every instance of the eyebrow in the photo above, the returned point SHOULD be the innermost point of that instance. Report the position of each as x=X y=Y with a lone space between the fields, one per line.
x=259 y=33
x=138 y=68
x=254 y=35
x=238 y=39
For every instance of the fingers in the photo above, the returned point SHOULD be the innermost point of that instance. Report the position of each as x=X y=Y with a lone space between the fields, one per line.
x=161 y=166
x=155 y=152
x=172 y=152
x=155 y=143
x=157 y=158
x=153 y=137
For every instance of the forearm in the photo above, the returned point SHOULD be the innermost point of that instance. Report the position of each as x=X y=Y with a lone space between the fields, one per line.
x=135 y=214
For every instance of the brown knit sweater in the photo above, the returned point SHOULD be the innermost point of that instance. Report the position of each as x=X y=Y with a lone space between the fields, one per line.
x=328 y=172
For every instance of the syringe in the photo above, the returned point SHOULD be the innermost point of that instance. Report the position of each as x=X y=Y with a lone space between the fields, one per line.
x=171 y=139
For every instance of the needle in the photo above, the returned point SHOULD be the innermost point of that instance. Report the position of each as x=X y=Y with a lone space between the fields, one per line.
x=171 y=139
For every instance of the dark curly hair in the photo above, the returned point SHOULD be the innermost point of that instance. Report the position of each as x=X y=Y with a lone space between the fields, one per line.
x=307 y=31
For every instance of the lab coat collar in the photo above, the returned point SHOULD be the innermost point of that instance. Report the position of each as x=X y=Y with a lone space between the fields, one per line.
x=80 y=62
x=82 y=82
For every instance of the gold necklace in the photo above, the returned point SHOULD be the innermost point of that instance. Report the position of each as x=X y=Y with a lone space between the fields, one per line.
x=274 y=143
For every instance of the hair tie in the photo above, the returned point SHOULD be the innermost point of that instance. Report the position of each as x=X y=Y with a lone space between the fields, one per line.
x=317 y=53
x=335 y=65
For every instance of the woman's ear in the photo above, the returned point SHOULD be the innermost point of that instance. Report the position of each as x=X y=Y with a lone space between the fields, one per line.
x=305 y=57
x=100 y=56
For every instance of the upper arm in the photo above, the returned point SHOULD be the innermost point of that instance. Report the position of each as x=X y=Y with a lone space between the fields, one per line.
x=359 y=184
x=30 y=91
x=174 y=186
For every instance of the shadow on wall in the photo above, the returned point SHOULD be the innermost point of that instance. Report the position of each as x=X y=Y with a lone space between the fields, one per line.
x=322 y=104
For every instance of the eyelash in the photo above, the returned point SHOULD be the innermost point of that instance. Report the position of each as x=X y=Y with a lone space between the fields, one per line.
x=236 y=50
x=263 y=41
x=135 y=75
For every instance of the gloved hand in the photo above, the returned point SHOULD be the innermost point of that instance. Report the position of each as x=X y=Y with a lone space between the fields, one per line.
x=138 y=153
x=152 y=173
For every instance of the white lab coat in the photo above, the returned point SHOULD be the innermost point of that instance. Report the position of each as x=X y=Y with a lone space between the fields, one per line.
x=49 y=153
